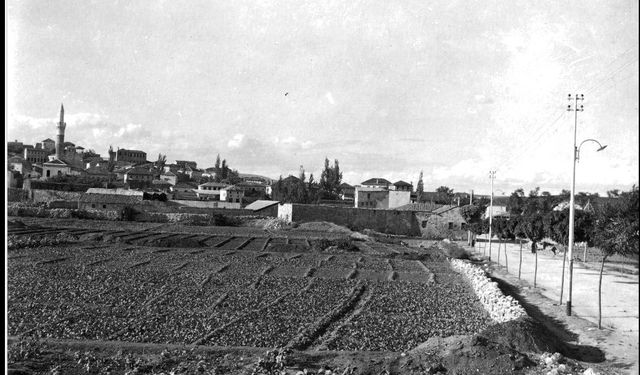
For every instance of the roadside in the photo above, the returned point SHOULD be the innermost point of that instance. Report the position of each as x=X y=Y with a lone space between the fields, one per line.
x=619 y=336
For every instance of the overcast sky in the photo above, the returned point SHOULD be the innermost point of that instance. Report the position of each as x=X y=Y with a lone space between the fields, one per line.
x=389 y=88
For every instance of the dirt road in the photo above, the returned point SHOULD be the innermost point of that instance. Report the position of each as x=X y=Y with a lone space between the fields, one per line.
x=620 y=297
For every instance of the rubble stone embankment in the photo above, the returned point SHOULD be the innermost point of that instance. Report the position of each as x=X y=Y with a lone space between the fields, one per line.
x=501 y=308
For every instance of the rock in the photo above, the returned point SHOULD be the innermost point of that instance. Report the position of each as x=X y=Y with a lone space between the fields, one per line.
x=548 y=361
x=562 y=368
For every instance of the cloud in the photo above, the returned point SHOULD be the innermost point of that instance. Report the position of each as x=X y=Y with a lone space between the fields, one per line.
x=330 y=98
x=236 y=142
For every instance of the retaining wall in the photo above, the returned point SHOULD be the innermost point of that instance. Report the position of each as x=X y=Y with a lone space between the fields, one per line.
x=17 y=195
x=385 y=221
x=501 y=308
x=63 y=204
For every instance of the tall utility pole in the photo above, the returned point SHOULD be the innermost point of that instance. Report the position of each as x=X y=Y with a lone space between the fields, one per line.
x=469 y=235
x=575 y=108
x=492 y=176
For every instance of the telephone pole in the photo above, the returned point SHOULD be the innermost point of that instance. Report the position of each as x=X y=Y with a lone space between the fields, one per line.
x=575 y=108
x=492 y=176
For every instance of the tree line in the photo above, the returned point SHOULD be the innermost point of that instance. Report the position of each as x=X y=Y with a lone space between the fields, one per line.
x=299 y=189
x=611 y=225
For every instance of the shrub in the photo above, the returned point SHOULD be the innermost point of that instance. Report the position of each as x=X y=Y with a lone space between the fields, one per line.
x=344 y=244
x=215 y=219
x=128 y=213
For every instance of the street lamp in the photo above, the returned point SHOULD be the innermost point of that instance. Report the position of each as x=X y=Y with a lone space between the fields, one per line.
x=576 y=158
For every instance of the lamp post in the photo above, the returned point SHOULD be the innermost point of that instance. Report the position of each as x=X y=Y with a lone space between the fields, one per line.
x=576 y=156
x=492 y=176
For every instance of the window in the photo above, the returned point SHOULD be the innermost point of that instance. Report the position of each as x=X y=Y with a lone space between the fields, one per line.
x=463 y=225
x=424 y=223
x=93 y=205
x=104 y=206
x=450 y=225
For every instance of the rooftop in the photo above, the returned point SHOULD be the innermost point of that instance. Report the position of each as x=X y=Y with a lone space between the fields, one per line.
x=377 y=181
x=110 y=198
x=420 y=207
x=218 y=184
x=56 y=162
x=138 y=170
x=402 y=183
x=114 y=191
x=261 y=204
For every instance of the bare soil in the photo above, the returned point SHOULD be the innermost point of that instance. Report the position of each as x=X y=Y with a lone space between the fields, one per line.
x=508 y=348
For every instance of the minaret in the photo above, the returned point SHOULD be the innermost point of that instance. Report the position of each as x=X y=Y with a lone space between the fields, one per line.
x=60 y=138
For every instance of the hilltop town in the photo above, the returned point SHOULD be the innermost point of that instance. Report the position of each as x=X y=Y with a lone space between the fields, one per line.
x=126 y=178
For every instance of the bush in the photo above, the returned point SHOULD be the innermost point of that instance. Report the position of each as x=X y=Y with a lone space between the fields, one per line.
x=128 y=213
x=209 y=220
x=344 y=244
x=226 y=221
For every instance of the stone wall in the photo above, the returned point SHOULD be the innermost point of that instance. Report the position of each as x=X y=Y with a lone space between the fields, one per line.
x=501 y=308
x=17 y=195
x=55 y=195
x=385 y=221
x=63 y=204
x=208 y=204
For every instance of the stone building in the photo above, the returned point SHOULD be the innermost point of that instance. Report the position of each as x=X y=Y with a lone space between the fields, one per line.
x=131 y=156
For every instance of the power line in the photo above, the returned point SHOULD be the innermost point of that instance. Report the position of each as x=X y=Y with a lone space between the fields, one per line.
x=607 y=79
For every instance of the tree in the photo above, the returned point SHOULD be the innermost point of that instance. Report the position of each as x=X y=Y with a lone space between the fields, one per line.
x=615 y=193
x=504 y=229
x=161 y=162
x=445 y=190
x=302 y=195
x=224 y=170
x=420 y=189
x=89 y=153
x=532 y=227
x=556 y=224
x=331 y=178
x=217 y=170
x=337 y=177
x=472 y=214
x=515 y=205
x=616 y=231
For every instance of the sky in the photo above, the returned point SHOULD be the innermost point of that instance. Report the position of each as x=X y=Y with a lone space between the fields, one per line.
x=454 y=89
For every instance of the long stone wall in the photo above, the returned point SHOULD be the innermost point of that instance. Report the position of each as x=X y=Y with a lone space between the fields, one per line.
x=55 y=195
x=501 y=308
x=385 y=221
x=209 y=204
